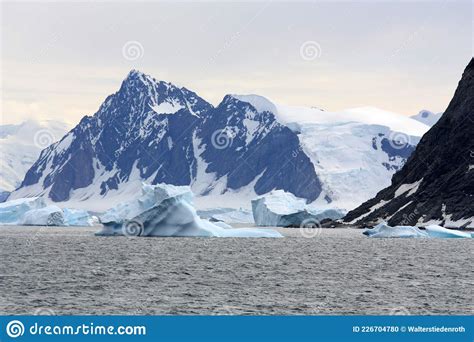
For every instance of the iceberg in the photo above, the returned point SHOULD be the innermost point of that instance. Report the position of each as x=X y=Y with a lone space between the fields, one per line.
x=50 y=215
x=240 y=216
x=282 y=209
x=77 y=217
x=436 y=231
x=167 y=210
x=150 y=196
x=34 y=211
x=221 y=224
x=208 y=213
x=228 y=215
x=383 y=230
x=12 y=212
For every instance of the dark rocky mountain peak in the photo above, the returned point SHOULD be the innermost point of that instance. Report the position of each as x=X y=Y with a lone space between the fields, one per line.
x=437 y=182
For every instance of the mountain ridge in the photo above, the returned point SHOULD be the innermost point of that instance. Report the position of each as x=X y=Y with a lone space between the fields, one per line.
x=156 y=132
x=154 y=127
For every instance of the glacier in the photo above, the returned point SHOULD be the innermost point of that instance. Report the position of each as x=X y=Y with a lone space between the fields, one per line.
x=383 y=230
x=20 y=147
x=167 y=211
x=349 y=149
x=427 y=117
x=282 y=209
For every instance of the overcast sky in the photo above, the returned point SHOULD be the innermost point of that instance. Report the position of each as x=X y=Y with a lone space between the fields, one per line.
x=61 y=60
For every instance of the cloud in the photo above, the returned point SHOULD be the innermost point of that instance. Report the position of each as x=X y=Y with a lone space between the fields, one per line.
x=398 y=56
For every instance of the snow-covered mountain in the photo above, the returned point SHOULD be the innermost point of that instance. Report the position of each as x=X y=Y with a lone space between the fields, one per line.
x=159 y=133
x=246 y=146
x=20 y=147
x=354 y=152
x=427 y=117
x=436 y=185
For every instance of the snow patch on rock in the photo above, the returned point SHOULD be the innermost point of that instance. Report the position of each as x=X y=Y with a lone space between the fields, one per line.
x=260 y=103
x=410 y=188
x=166 y=107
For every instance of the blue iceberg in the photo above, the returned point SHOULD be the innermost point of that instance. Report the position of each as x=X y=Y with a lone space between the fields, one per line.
x=35 y=211
x=167 y=210
x=282 y=209
x=50 y=215
x=12 y=212
x=383 y=230
x=436 y=231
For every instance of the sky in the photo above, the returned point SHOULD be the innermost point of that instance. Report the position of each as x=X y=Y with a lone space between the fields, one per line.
x=59 y=61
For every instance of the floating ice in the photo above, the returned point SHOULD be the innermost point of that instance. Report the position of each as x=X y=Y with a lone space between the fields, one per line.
x=35 y=211
x=383 y=230
x=232 y=216
x=221 y=224
x=12 y=212
x=441 y=232
x=150 y=196
x=50 y=215
x=282 y=209
x=77 y=217
x=167 y=210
